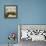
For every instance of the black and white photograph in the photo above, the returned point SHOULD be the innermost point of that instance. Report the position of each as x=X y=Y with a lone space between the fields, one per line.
x=31 y=34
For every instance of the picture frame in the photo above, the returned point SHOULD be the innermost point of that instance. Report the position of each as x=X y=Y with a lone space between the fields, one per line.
x=32 y=32
x=10 y=11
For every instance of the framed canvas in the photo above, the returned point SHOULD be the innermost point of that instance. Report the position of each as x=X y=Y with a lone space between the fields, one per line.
x=10 y=11
x=33 y=32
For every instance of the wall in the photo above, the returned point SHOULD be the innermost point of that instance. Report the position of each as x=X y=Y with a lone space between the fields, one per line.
x=29 y=12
